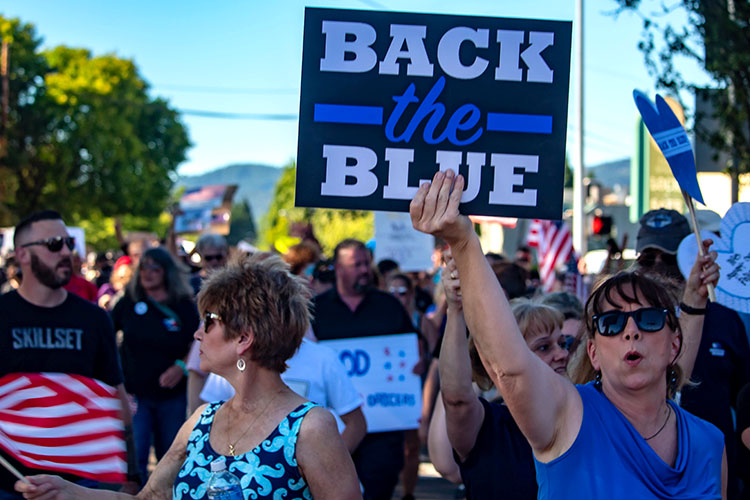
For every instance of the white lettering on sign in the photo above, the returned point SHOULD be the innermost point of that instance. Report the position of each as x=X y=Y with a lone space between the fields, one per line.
x=450 y=46
x=452 y=159
x=337 y=47
x=413 y=37
x=502 y=191
x=339 y=166
x=398 y=187
x=338 y=170
x=407 y=43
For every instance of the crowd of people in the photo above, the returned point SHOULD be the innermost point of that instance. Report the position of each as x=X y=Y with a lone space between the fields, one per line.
x=638 y=390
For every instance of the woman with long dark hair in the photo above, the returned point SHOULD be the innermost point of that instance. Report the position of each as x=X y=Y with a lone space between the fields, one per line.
x=157 y=317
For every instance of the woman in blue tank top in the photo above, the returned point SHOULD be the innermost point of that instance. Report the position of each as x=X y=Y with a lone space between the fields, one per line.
x=619 y=437
x=276 y=443
x=490 y=452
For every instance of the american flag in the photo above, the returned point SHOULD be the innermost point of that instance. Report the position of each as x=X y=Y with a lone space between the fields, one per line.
x=554 y=245
x=64 y=423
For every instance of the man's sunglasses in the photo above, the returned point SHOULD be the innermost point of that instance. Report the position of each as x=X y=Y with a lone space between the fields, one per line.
x=398 y=290
x=208 y=320
x=216 y=257
x=650 y=257
x=647 y=319
x=55 y=243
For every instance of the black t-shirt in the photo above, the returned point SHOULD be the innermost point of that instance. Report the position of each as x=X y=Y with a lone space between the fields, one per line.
x=501 y=464
x=743 y=422
x=152 y=341
x=379 y=313
x=75 y=337
x=722 y=368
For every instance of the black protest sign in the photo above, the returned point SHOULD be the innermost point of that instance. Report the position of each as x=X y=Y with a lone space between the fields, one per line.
x=389 y=98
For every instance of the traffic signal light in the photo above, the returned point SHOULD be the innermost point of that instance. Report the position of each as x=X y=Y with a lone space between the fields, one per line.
x=601 y=225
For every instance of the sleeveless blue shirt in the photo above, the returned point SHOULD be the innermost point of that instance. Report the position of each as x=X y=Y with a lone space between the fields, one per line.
x=610 y=459
x=267 y=471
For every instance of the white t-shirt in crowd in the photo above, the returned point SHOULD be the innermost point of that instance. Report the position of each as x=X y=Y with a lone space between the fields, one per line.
x=315 y=373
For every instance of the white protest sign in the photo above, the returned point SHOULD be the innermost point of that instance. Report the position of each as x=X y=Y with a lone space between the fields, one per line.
x=381 y=370
x=733 y=248
x=396 y=239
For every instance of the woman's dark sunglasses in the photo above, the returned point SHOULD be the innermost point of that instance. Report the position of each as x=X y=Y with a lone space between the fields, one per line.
x=647 y=319
x=208 y=320
x=55 y=243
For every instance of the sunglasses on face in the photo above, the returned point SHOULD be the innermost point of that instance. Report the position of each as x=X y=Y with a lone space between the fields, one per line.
x=55 y=243
x=208 y=320
x=216 y=257
x=398 y=290
x=568 y=342
x=647 y=319
x=649 y=258
x=151 y=267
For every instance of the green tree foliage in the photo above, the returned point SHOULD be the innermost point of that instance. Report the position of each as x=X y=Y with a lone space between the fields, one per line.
x=716 y=36
x=84 y=136
x=330 y=226
x=242 y=224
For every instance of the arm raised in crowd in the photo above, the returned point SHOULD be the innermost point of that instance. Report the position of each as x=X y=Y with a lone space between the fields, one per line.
x=463 y=411
x=705 y=270
x=547 y=407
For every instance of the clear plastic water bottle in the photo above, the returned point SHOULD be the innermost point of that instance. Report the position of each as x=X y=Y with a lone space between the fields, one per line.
x=223 y=485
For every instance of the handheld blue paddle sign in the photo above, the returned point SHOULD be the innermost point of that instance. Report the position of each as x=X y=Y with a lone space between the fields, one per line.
x=672 y=139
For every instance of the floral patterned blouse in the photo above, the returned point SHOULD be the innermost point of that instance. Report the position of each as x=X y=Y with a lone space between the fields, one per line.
x=267 y=471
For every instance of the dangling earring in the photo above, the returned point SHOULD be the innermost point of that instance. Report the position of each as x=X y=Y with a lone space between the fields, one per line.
x=598 y=380
x=241 y=365
x=671 y=380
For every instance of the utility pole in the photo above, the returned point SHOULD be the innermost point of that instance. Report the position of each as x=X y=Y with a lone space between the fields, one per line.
x=6 y=90
x=579 y=217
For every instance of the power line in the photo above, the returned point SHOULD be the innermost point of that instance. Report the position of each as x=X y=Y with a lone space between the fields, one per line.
x=225 y=90
x=239 y=116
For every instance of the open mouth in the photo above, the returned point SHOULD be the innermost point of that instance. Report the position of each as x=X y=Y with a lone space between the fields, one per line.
x=633 y=357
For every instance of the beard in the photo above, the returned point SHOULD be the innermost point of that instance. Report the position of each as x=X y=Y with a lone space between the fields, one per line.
x=48 y=276
x=362 y=283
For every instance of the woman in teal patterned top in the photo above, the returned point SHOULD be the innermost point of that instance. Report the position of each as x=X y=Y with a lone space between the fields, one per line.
x=277 y=443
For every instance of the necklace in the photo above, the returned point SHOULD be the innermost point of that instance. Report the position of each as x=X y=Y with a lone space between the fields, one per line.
x=669 y=414
x=233 y=444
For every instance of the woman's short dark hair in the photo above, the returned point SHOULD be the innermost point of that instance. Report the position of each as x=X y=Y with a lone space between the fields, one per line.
x=257 y=294
x=175 y=281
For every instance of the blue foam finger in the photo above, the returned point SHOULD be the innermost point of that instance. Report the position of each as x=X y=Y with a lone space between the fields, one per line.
x=672 y=140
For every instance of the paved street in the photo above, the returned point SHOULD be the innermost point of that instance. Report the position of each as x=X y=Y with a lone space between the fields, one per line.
x=431 y=486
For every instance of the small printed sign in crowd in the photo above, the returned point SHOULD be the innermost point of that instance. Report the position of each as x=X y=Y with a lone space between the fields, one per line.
x=380 y=368
x=388 y=99
x=396 y=239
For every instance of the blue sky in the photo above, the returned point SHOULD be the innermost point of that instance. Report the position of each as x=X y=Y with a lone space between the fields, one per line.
x=245 y=57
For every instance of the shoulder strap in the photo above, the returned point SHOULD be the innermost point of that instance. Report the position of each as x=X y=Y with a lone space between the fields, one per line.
x=165 y=310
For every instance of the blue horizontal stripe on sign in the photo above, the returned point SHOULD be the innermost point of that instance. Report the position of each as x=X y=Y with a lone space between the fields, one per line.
x=512 y=122
x=341 y=113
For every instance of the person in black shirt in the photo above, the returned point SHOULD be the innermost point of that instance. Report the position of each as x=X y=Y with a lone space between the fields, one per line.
x=722 y=365
x=353 y=308
x=46 y=329
x=157 y=317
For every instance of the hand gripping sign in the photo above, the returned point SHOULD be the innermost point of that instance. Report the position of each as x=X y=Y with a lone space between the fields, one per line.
x=389 y=98
x=733 y=249
x=673 y=142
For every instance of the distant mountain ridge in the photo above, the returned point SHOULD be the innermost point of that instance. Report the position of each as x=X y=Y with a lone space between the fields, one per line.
x=255 y=183
x=612 y=173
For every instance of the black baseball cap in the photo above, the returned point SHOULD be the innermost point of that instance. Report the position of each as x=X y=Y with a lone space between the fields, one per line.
x=662 y=229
